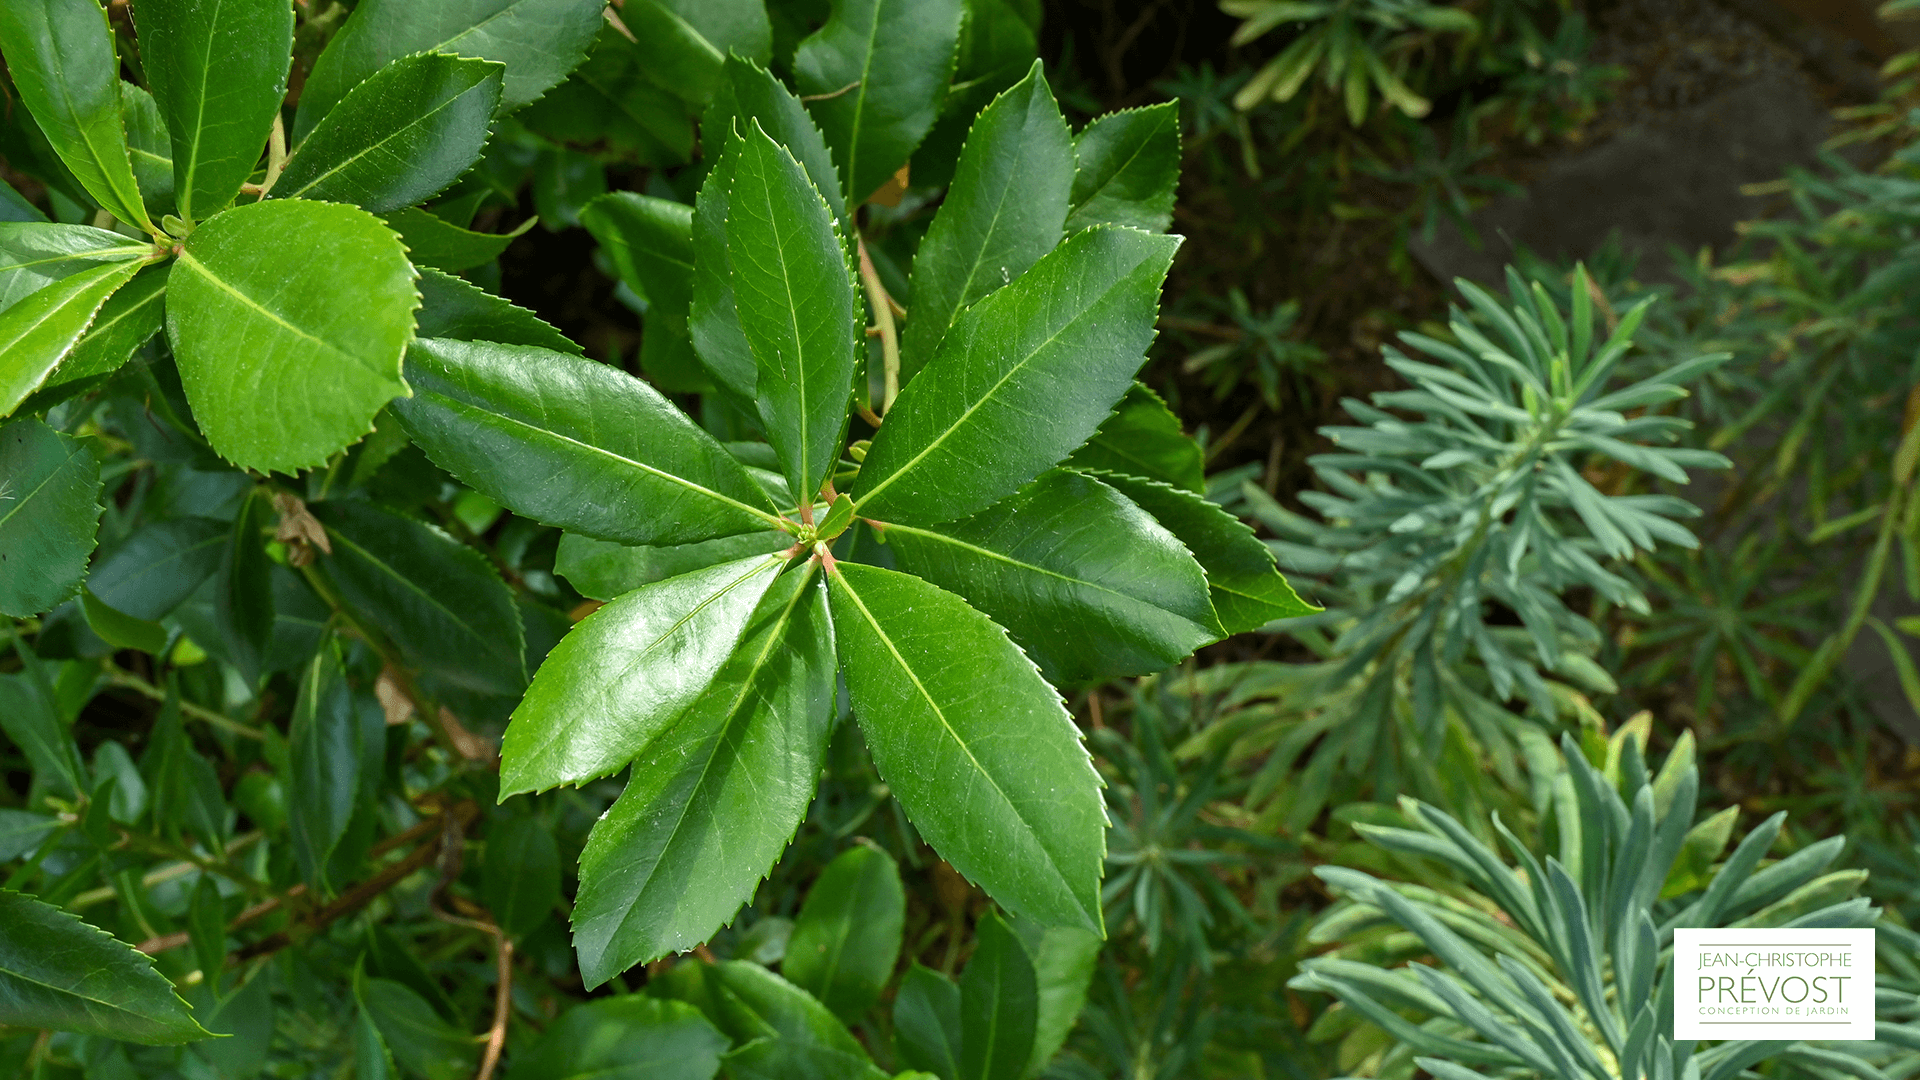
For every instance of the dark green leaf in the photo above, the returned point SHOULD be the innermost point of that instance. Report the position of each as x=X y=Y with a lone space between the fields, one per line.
x=1003 y=212
x=35 y=254
x=997 y=46
x=49 y=508
x=848 y=934
x=421 y=1042
x=577 y=444
x=443 y=245
x=289 y=320
x=400 y=137
x=148 y=148
x=1063 y=961
x=1248 y=591
x=748 y=92
x=650 y=243
x=713 y=317
x=877 y=71
x=207 y=929
x=1143 y=438
x=158 y=567
x=58 y=972
x=371 y=1058
x=675 y=56
x=21 y=831
x=218 y=69
x=713 y=799
x=620 y=97
x=440 y=602
x=926 y=1022
x=243 y=592
x=625 y=1038
x=452 y=308
x=604 y=570
x=121 y=630
x=754 y=1003
x=564 y=182
x=1067 y=551
x=540 y=41
x=1024 y=377
x=130 y=317
x=28 y=716
x=326 y=747
x=728 y=26
x=61 y=56
x=974 y=743
x=15 y=207
x=521 y=879
x=1129 y=169
x=794 y=291
x=998 y=1001
x=129 y=800
x=40 y=331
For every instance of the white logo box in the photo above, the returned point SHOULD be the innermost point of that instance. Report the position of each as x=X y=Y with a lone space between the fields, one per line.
x=1772 y=984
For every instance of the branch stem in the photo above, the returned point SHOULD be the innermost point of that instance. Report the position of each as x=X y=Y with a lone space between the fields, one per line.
x=882 y=305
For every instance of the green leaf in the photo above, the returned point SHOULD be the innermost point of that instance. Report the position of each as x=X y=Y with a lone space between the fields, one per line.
x=728 y=26
x=1003 y=212
x=440 y=602
x=207 y=929
x=539 y=41
x=713 y=318
x=926 y=1022
x=715 y=797
x=521 y=878
x=847 y=936
x=400 y=137
x=33 y=255
x=997 y=46
x=129 y=318
x=794 y=291
x=29 y=717
x=754 y=1003
x=1069 y=551
x=974 y=743
x=371 y=1058
x=178 y=776
x=1143 y=438
x=40 y=331
x=153 y=571
x=21 y=832
x=15 y=207
x=1024 y=377
x=452 y=308
x=576 y=444
x=675 y=56
x=445 y=246
x=49 y=508
x=422 y=1043
x=1248 y=590
x=148 y=148
x=604 y=570
x=218 y=69
x=1129 y=169
x=1063 y=962
x=998 y=1001
x=121 y=630
x=650 y=243
x=243 y=592
x=748 y=92
x=620 y=96
x=61 y=56
x=326 y=746
x=625 y=1038
x=876 y=73
x=289 y=320
x=58 y=972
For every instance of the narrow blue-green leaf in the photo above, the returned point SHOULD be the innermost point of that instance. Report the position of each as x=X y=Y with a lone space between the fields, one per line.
x=218 y=69
x=1129 y=168
x=58 y=972
x=998 y=1001
x=847 y=936
x=49 y=508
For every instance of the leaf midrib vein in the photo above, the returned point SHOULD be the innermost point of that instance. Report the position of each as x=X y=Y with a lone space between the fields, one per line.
x=1031 y=567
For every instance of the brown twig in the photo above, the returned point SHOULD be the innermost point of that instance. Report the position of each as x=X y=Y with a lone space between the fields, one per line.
x=883 y=322
x=502 y=1006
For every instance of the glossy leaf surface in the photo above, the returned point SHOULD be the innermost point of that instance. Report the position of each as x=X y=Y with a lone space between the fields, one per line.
x=452 y=308
x=847 y=936
x=974 y=743
x=443 y=245
x=1069 y=551
x=325 y=749
x=1003 y=211
x=36 y=254
x=1024 y=376
x=218 y=69
x=1129 y=169
x=794 y=292
x=633 y=1037
x=40 y=331
x=605 y=570
x=148 y=148
x=998 y=1003
x=400 y=137
x=289 y=320
x=577 y=444
x=1143 y=438
x=878 y=70
x=128 y=320
x=1063 y=962
x=713 y=318
x=626 y=674
x=47 y=523
x=59 y=972
x=61 y=56
x=714 y=799
x=748 y=92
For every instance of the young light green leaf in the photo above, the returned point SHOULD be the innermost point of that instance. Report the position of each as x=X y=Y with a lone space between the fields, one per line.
x=149 y=148
x=1129 y=168
x=1067 y=550
x=875 y=74
x=998 y=1002
x=439 y=602
x=794 y=291
x=58 y=972
x=520 y=880
x=604 y=570
x=713 y=318
x=974 y=743
x=40 y=331
x=576 y=444
x=713 y=799
x=452 y=308
x=628 y=673
x=49 y=508
x=634 y=1037
x=289 y=320
x=445 y=246
x=62 y=59
x=400 y=137
x=36 y=254
x=847 y=936
x=243 y=591
x=539 y=41
x=1248 y=590
x=1143 y=438
x=1004 y=210
x=218 y=69
x=926 y=1022
x=129 y=318
x=1024 y=377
